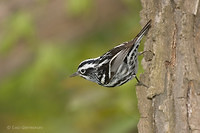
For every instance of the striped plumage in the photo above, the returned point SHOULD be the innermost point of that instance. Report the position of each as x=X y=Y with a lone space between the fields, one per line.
x=116 y=66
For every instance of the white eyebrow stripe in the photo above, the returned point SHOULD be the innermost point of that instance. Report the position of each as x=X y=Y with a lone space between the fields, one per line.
x=86 y=66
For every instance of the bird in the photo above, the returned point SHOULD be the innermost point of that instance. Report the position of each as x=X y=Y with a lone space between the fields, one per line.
x=115 y=67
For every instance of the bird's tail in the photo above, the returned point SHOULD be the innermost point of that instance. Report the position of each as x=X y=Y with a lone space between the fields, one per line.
x=143 y=32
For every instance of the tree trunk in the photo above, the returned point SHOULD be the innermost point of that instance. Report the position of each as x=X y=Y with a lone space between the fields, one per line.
x=171 y=104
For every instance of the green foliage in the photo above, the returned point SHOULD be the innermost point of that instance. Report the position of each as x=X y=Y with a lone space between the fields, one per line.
x=39 y=92
x=78 y=7
x=18 y=27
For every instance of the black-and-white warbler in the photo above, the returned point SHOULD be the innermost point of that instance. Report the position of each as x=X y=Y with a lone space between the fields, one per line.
x=116 y=66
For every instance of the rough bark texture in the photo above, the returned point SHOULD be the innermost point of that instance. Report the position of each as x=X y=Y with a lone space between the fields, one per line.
x=171 y=104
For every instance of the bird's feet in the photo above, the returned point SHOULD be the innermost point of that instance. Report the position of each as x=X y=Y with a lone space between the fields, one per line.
x=140 y=83
x=148 y=55
x=143 y=52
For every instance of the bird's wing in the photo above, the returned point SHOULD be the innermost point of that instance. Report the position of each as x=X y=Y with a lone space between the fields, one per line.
x=117 y=55
x=121 y=51
x=117 y=60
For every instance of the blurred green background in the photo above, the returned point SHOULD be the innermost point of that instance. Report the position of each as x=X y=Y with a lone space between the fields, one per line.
x=42 y=43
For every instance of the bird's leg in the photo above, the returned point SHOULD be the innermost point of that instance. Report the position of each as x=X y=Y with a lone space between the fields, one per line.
x=141 y=53
x=140 y=83
x=148 y=55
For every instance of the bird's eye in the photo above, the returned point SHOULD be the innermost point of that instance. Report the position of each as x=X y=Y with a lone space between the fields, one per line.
x=82 y=71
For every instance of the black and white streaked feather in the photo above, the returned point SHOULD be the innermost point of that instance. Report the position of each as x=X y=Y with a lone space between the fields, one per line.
x=115 y=67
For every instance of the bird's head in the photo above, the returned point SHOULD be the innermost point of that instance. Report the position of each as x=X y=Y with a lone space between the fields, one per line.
x=86 y=69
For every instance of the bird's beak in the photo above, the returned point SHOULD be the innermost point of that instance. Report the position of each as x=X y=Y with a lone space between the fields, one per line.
x=75 y=74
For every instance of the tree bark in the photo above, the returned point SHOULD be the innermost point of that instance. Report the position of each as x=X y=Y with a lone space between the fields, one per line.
x=171 y=104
